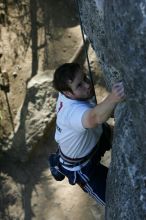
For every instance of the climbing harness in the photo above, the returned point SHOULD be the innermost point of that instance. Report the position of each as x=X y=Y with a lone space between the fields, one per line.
x=71 y=162
x=58 y=159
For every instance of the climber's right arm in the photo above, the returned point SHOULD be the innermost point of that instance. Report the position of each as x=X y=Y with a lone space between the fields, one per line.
x=101 y=112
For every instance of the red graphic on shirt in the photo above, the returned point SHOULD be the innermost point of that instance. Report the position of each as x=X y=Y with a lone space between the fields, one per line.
x=60 y=107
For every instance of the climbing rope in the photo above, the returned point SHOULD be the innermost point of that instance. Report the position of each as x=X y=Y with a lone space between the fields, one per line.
x=85 y=47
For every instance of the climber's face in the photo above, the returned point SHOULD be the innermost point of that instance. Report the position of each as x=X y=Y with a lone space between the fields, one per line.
x=81 y=87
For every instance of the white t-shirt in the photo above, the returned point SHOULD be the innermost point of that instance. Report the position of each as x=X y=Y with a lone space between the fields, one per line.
x=74 y=140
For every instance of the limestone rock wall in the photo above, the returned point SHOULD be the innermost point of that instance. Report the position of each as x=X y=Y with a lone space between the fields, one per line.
x=117 y=32
x=35 y=118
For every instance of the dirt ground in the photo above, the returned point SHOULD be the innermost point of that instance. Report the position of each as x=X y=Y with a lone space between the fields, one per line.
x=28 y=190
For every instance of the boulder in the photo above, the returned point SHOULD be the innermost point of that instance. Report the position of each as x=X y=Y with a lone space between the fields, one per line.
x=35 y=117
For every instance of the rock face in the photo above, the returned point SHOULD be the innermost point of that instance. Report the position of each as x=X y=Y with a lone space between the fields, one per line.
x=35 y=117
x=117 y=32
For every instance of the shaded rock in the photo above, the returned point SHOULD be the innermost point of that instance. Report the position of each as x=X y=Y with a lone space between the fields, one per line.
x=117 y=33
x=34 y=117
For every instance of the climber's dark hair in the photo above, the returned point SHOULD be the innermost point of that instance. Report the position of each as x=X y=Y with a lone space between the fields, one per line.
x=63 y=74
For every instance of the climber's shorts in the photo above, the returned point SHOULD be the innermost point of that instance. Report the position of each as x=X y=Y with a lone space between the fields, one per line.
x=91 y=177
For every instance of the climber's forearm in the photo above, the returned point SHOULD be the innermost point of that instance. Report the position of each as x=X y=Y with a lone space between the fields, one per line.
x=100 y=113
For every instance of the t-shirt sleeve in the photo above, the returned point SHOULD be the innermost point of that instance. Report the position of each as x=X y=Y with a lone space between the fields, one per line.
x=75 y=117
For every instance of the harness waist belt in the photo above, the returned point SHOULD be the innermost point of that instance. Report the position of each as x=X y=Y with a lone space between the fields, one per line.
x=72 y=167
x=77 y=161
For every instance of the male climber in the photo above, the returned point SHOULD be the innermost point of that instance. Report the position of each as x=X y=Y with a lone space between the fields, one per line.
x=81 y=132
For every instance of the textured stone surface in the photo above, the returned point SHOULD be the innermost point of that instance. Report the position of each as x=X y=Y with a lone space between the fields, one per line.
x=35 y=116
x=117 y=31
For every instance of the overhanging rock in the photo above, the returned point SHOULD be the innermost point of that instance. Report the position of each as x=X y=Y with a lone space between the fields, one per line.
x=117 y=32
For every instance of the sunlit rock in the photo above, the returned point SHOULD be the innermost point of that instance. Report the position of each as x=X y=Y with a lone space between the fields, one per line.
x=116 y=30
